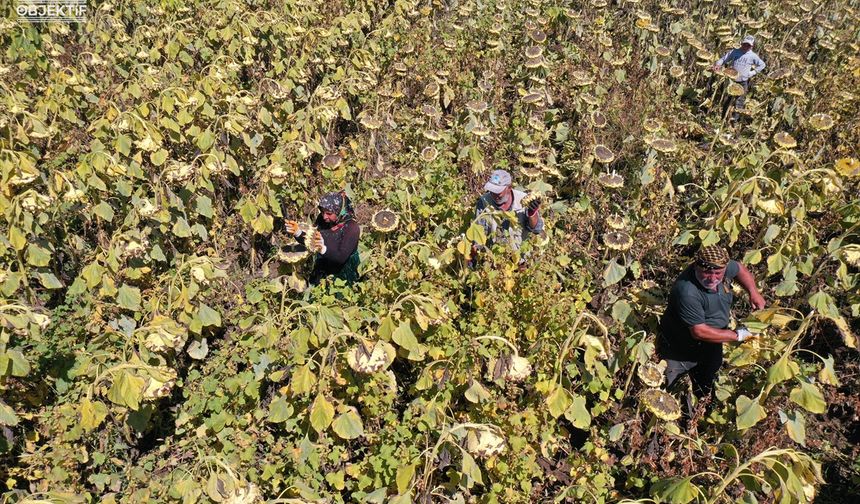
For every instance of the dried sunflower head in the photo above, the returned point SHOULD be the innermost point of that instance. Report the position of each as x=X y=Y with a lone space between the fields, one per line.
x=370 y=122
x=293 y=252
x=598 y=119
x=618 y=240
x=785 y=140
x=512 y=368
x=612 y=180
x=651 y=125
x=735 y=89
x=848 y=167
x=332 y=161
x=485 y=441
x=370 y=357
x=664 y=145
x=429 y=153
x=409 y=175
x=477 y=106
x=384 y=221
x=603 y=154
x=533 y=51
x=821 y=121
x=652 y=374
x=616 y=221
x=661 y=403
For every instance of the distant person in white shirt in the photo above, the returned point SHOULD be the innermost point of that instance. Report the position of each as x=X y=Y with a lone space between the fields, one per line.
x=746 y=63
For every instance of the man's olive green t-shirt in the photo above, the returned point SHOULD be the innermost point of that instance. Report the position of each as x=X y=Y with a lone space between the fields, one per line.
x=691 y=304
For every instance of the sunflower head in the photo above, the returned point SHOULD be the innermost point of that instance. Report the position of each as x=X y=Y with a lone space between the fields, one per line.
x=618 y=240
x=821 y=121
x=429 y=154
x=661 y=404
x=784 y=140
x=611 y=180
x=384 y=221
x=603 y=154
x=366 y=357
x=664 y=145
x=293 y=252
x=848 y=167
x=652 y=374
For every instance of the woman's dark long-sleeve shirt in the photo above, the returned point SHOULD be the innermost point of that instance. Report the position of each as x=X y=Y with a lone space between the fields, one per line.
x=341 y=255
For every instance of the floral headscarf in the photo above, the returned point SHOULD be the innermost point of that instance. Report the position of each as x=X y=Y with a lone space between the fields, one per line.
x=339 y=204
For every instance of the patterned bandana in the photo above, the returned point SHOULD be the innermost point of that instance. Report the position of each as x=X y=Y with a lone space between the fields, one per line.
x=712 y=257
x=339 y=204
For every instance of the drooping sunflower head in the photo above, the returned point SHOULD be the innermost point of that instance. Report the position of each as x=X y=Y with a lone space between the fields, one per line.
x=652 y=374
x=611 y=180
x=661 y=404
x=618 y=240
x=821 y=121
x=384 y=221
x=784 y=140
x=603 y=154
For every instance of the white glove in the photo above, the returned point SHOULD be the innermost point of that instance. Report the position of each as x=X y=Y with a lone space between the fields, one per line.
x=743 y=333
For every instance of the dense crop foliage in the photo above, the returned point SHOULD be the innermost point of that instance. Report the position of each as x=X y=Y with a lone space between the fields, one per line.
x=155 y=347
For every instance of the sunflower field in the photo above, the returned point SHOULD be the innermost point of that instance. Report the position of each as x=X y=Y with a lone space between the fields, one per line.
x=159 y=338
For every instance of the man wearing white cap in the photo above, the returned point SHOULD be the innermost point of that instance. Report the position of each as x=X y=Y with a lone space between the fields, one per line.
x=501 y=196
x=746 y=63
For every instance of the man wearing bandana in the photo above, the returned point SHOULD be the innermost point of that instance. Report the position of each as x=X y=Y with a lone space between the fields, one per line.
x=694 y=326
x=338 y=252
x=501 y=196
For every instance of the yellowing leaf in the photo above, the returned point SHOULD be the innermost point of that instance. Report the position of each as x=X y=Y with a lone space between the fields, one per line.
x=404 y=337
x=809 y=397
x=280 y=410
x=92 y=413
x=558 y=401
x=126 y=390
x=404 y=477
x=578 y=413
x=128 y=297
x=348 y=425
x=303 y=380
x=322 y=413
x=749 y=412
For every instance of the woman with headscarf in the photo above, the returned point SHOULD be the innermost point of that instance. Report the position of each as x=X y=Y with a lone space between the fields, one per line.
x=338 y=252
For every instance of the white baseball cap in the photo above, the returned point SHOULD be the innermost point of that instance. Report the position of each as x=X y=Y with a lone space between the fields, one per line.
x=749 y=39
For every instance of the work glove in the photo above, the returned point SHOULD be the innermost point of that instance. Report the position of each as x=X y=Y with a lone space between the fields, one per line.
x=743 y=333
x=292 y=227
x=317 y=242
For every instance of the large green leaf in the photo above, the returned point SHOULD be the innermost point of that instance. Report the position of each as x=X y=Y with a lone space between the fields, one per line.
x=37 y=256
x=404 y=477
x=128 y=297
x=127 y=389
x=404 y=337
x=783 y=369
x=676 y=490
x=749 y=412
x=578 y=413
x=13 y=363
x=7 y=415
x=280 y=410
x=348 y=425
x=558 y=401
x=208 y=316
x=303 y=380
x=614 y=273
x=322 y=413
x=795 y=425
x=809 y=397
